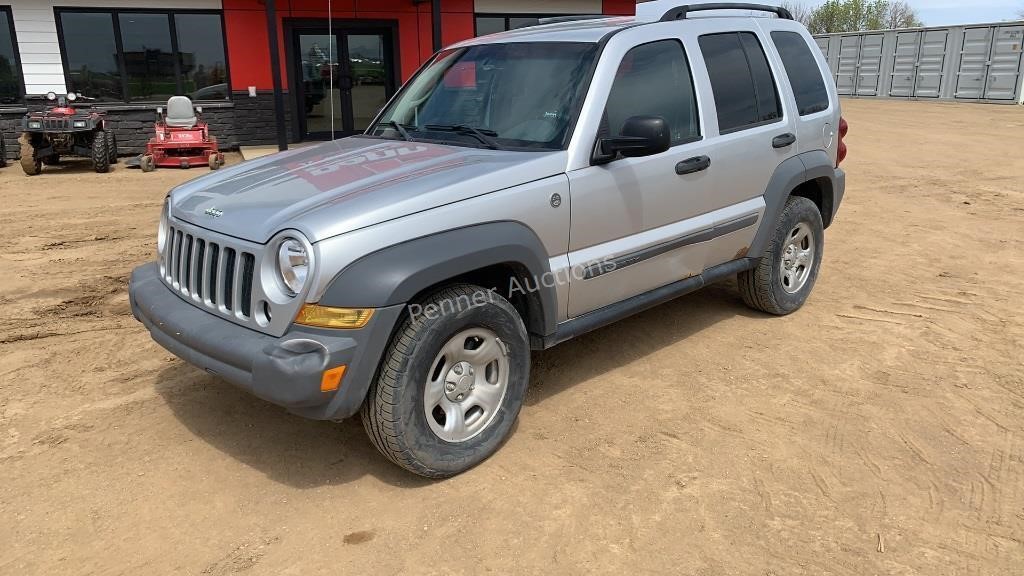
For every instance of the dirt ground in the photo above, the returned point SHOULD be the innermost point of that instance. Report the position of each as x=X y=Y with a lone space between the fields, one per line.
x=880 y=430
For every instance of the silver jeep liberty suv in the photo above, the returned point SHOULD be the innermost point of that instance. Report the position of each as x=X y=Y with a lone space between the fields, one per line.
x=520 y=190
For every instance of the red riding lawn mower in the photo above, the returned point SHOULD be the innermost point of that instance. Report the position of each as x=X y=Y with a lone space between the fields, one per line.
x=182 y=139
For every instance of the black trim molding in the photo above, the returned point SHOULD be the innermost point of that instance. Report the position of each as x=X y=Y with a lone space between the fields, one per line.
x=639 y=256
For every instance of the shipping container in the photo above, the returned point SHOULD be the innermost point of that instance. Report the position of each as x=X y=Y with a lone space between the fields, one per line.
x=975 y=63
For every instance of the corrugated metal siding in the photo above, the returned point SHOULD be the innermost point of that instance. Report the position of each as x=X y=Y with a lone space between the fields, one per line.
x=981 y=63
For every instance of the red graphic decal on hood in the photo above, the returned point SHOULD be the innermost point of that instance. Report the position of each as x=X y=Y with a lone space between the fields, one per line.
x=345 y=168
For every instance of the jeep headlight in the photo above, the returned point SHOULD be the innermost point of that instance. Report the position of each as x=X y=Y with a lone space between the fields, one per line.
x=161 y=234
x=293 y=264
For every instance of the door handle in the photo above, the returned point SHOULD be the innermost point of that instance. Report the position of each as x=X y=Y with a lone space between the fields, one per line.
x=783 y=141
x=692 y=165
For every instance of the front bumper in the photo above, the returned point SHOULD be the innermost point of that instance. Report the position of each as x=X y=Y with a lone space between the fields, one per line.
x=285 y=371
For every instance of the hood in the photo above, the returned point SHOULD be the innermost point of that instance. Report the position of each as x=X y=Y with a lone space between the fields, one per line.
x=336 y=187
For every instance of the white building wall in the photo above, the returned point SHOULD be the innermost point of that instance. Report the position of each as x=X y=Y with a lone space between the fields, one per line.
x=36 y=31
x=538 y=6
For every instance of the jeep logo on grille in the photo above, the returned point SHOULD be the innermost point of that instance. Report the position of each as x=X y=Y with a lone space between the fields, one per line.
x=214 y=212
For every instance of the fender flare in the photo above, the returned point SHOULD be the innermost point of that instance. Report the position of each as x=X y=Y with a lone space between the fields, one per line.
x=397 y=274
x=787 y=177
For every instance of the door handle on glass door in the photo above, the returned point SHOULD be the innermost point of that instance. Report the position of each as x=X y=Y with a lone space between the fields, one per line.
x=692 y=165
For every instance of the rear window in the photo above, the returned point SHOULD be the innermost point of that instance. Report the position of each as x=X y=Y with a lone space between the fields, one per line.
x=741 y=80
x=803 y=72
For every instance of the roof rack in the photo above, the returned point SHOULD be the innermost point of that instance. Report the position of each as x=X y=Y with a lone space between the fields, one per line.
x=570 y=18
x=680 y=12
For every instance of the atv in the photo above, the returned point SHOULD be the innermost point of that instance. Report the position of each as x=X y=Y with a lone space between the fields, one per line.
x=62 y=131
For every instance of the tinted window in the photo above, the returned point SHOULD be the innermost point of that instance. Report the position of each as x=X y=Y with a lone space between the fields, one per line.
x=148 y=59
x=804 y=74
x=489 y=25
x=741 y=79
x=654 y=80
x=150 y=56
x=91 y=55
x=204 y=72
x=10 y=85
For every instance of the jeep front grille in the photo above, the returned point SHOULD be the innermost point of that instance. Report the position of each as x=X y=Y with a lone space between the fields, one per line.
x=208 y=271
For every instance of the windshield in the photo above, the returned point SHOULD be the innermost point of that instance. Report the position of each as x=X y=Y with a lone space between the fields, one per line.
x=508 y=96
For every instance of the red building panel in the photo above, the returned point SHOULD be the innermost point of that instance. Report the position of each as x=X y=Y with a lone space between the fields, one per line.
x=245 y=21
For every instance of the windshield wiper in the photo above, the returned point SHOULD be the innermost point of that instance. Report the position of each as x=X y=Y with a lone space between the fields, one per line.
x=481 y=134
x=400 y=128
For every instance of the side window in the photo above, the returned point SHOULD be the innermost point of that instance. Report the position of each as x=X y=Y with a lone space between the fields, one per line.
x=654 y=80
x=804 y=74
x=741 y=80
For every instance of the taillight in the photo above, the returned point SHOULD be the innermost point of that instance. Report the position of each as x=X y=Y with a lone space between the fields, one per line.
x=843 y=129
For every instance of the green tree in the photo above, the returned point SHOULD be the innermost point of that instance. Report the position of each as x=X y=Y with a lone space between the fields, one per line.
x=853 y=15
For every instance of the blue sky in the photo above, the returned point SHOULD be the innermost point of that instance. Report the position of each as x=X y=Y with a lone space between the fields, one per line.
x=943 y=12
x=950 y=12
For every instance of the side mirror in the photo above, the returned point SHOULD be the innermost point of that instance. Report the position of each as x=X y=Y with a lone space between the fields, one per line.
x=641 y=136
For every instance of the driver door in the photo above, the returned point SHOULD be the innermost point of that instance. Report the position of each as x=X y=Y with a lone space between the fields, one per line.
x=640 y=220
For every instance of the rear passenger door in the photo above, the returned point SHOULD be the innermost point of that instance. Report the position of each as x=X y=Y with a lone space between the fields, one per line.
x=804 y=71
x=752 y=130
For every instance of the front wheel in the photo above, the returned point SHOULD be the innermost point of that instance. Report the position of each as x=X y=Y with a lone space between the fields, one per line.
x=29 y=163
x=787 y=271
x=450 y=384
x=111 y=146
x=100 y=152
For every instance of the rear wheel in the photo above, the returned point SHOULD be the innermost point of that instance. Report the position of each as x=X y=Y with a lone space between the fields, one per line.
x=29 y=163
x=100 y=152
x=450 y=384
x=785 y=275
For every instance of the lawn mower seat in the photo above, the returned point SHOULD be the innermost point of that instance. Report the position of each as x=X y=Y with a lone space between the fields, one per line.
x=180 y=113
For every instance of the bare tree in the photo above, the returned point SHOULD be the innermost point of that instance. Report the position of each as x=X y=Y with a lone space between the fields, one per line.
x=899 y=14
x=801 y=12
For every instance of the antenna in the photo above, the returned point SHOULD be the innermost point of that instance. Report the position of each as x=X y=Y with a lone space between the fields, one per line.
x=330 y=60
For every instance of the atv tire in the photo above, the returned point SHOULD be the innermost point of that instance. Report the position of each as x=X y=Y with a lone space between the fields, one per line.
x=111 y=146
x=100 y=153
x=3 y=152
x=29 y=163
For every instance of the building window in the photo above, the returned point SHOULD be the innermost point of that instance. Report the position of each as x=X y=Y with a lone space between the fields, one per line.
x=10 y=67
x=494 y=23
x=133 y=55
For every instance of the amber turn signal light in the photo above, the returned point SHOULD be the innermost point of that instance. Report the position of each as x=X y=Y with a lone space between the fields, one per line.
x=331 y=380
x=327 y=317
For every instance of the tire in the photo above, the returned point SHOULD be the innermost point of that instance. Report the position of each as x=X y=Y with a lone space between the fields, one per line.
x=215 y=162
x=111 y=146
x=147 y=163
x=29 y=163
x=52 y=160
x=100 y=152
x=3 y=151
x=787 y=271
x=471 y=325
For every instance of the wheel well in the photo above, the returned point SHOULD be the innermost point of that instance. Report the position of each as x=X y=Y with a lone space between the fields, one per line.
x=513 y=281
x=819 y=191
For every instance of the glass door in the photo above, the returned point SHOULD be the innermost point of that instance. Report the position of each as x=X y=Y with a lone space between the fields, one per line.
x=342 y=80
